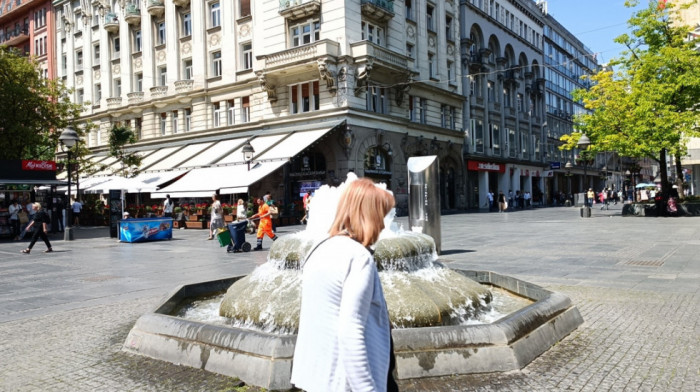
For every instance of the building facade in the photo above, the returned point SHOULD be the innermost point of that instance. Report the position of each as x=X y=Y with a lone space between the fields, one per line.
x=504 y=85
x=318 y=89
x=28 y=25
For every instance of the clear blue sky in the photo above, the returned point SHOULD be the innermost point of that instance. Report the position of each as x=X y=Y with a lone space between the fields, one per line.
x=595 y=22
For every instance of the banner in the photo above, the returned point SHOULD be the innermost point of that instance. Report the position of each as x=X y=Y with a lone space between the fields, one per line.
x=39 y=165
x=145 y=229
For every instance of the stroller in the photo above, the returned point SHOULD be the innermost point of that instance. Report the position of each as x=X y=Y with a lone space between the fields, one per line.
x=233 y=238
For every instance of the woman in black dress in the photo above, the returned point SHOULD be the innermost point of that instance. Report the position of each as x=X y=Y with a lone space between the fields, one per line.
x=41 y=220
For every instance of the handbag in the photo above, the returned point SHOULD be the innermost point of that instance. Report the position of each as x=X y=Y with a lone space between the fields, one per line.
x=23 y=217
x=274 y=211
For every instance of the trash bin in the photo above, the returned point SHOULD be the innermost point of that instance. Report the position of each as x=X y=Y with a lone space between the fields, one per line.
x=224 y=236
x=585 y=212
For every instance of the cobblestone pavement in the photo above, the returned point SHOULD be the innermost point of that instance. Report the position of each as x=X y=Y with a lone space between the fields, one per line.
x=64 y=316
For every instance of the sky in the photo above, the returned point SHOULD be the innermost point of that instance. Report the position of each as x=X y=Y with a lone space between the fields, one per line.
x=595 y=23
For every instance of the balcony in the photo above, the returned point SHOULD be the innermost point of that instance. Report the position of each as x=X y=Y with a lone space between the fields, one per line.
x=365 y=51
x=159 y=91
x=15 y=36
x=379 y=10
x=184 y=86
x=299 y=58
x=114 y=103
x=298 y=9
x=111 y=22
x=134 y=98
x=132 y=14
x=155 y=8
x=181 y=3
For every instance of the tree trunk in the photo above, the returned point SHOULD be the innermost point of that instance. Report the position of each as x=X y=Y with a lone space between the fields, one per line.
x=663 y=172
x=680 y=178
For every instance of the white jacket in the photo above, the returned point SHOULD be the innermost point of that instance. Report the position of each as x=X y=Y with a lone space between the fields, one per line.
x=344 y=336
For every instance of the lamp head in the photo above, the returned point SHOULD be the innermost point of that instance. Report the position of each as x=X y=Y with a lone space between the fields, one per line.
x=69 y=137
x=248 y=152
x=583 y=141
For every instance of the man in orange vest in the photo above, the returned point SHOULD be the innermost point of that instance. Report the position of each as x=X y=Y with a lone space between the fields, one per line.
x=265 y=225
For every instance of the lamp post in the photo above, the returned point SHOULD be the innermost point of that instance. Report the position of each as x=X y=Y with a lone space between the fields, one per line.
x=583 y=143
x=68 y=139
x=568 y=168
x=248 y=153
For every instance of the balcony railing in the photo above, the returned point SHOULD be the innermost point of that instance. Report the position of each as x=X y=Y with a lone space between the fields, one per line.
x=365 y=49
x=15 y=36
x=155 y=7
x=111 y=22
x=159 y=91
x=301 y=54
x=181 y=3
x=132 y=14
x=382 y=10
x=114 y=102
x=184 y=86
x=297 y=9
x=135 y=97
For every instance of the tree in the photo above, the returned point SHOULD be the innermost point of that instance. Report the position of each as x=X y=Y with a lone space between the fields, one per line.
x=34 y=109
x=648 y=106
x=119 y=137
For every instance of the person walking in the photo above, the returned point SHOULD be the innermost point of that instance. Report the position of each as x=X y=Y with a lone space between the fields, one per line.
x=77 y=207
x=241 y=213
x=14 y=210
x=265 y=225
x=502 y=203
x=41 y=220
x=590 y=197
x=59 y=212
x=307 y=201
x=489 y=196
x=344 y=339
x=217 y=217
x=168 y=206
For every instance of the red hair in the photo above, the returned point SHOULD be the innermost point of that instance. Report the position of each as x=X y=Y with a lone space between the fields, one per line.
x=361 y=211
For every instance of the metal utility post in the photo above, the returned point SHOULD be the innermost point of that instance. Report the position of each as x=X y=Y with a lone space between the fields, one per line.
x=68 y=139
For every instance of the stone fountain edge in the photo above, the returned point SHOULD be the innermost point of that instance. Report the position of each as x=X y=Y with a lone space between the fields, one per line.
x=265 y=360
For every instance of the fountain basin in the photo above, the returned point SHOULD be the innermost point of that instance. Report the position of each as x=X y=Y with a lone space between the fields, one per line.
x=265 y=360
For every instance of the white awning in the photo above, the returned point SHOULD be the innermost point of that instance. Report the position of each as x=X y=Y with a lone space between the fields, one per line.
x=181 y=155
x=143 y=183
x=204 y=182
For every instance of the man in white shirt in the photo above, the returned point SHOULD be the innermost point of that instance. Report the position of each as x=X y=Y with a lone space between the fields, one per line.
x=168 y=207
x=77 y=207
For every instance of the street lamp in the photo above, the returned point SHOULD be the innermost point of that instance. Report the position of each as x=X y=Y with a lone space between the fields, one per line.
x=68 y=139
x=568 y=168
x=248 y=153
x=583 y=143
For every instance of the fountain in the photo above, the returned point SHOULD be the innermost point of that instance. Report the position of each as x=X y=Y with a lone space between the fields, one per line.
x=430 y=308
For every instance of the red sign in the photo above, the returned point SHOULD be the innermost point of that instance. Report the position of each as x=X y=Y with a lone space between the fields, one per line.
x=486 y=166
x=39 y=165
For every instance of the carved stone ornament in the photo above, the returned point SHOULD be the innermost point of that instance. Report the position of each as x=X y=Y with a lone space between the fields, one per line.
x=268 y=88
x=214 y=40
x=161 y=55
x=362 y=76
x=97 y=75
x=400 y=90
x=186 y=48
x=450 y=50
x=116 y=69
x=79 y=81
x=410 y=31
x=244 y=31
x=326 y=75
x=138 y=63
x=431 y=42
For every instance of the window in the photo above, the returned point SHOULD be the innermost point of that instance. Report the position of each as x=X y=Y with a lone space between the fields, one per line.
x=520 y=103
x=523 y=143
x=304 y=97
x=247 y=53
x=372 y=33
x=188 y=120
x=116 y=47
x=409 y=10
x=163 y=123
x=78 y=60
x=216 y=63
x=215 y=14
x=506 y=97
x=448 y=28
x=305 y=33
x=186 y=24
x=138 y=82
x=490 y=88
x=423 y=108
x=175 y=123
x=230 y=112
x=430 y=17
x=410 y=50
x=376 y=99
x=412 y=107
x=98 y=94
x=216 y=114
x=64 y=64
x=245 y=109
x=79 y=96
x=512 y=143
x=96 y=53
x=431 y=65
x=451 y=77
x=244 y=7
x=160 y=33
x=137 y=40
x=187 y=69
x=448 y=116
x=162 y=76
x=478 y=135
x=495 y=139
x=138 y=122
x=117 y=88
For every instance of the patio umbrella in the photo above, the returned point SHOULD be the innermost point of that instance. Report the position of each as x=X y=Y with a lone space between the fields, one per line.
x=645 y=185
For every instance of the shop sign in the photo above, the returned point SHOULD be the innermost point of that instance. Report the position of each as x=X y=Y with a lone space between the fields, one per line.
x=378 y=172
x=548 y=173
x=554 y=165
x=38 y=165
x=15 y=187
x=486 y=166
x=308 y=173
